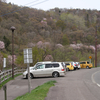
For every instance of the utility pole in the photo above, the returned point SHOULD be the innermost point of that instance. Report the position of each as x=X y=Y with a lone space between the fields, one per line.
x=96 y=47
x=12 y=28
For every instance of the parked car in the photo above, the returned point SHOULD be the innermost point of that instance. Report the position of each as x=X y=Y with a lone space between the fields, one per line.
x=74 y=65
x=54 y=69
x=69 y=66
x=86 y=64
x=78 y=65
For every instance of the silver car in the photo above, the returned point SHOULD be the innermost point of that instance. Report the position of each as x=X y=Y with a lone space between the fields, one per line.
x=54 y=69
x=78 y=65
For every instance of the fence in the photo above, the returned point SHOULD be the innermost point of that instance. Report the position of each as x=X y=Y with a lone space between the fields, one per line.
x=8 y=74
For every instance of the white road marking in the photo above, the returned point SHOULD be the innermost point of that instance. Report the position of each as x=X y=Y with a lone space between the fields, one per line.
x=92 y=77
x=98 y=84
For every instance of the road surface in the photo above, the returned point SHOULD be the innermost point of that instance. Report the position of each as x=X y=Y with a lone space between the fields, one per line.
x=76 y=85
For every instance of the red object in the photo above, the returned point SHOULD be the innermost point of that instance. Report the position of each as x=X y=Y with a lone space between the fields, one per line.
x=62 y=69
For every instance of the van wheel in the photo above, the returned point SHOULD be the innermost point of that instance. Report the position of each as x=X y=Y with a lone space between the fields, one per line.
x=31 y=76
x=55 y=74
x=87 y=67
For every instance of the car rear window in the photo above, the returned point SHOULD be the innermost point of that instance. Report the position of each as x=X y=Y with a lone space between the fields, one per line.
x=67 y=64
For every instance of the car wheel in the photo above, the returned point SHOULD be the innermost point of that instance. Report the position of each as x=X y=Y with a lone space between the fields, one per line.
x=55 y=74
x=68 y=69
x=31 y=76
x=87 y=67
x=74 y=68
x=77 y=67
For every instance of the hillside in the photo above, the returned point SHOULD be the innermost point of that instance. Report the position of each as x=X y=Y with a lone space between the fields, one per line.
x=64 y=27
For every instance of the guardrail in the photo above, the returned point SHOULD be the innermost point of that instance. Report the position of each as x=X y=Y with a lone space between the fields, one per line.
x=8 y=74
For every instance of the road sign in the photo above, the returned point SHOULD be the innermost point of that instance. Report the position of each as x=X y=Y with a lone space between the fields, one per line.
x=28 y=55
x=28 y=59
x=4 y=62
x=90 y=57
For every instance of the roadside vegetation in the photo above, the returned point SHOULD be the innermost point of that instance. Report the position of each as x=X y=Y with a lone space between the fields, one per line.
x=39 y=93
x=54 y=35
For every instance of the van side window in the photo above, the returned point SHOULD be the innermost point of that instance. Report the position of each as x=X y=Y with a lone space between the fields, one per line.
x=48 y=65
x=55 y=65
x=82 y=62
x=40 y=67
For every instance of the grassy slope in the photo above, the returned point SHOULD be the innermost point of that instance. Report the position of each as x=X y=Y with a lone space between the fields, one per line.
x=39 y=93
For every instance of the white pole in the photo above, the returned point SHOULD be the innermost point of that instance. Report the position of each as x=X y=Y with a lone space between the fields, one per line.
x=4 y=63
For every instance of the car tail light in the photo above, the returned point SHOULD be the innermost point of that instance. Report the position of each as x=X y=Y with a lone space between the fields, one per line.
x=71 y=66
x=62 y=69
x=75 y=64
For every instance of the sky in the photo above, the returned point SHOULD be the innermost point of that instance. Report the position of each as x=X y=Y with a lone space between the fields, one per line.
x=50 y=4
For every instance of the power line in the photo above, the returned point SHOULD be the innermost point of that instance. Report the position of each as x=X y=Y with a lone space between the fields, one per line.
x=39 y=3
x=24 y=7
x=31 y=2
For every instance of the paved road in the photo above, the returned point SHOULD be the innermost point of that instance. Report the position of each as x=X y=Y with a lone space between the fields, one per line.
x=19 y=86
x=96 y=78
x=76 y=85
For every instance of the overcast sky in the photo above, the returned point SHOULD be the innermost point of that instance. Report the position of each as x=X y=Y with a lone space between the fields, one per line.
x=49 y=4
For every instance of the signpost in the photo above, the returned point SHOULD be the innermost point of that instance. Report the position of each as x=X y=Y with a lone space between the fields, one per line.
x=4 y=63
x=28 y=59
x=90 y=58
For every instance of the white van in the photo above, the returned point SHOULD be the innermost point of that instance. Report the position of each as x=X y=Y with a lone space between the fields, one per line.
x=54 y=69
x=38 y=63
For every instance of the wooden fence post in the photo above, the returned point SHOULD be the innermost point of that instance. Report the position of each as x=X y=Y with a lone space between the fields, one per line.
x=7 y=74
